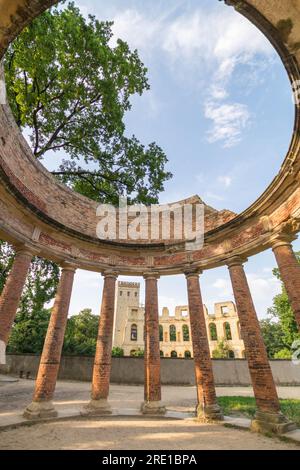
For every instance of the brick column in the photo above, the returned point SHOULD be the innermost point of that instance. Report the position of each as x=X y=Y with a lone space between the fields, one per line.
x=42 y=406
x=268 y=416
x=11 y=295
x=289 y=269
x=207 y=407
x=152 y=384
x=102 y=363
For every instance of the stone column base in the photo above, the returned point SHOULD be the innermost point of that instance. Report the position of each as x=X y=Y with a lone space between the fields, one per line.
x=209 y=413
x=153 y=408
x=275 y=423
x=40 y=410
x=97 y=408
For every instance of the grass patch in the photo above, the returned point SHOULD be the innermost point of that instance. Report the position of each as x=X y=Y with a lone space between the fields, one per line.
x=245 y=406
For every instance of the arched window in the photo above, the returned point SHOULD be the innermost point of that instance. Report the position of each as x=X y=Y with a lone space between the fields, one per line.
x=133 y=333
x=161 y=354
x=173 y=354
x=172 y=333
x=185 y=333
x=227 y=331
x=231 y=355
x=161 y=333
x=213 y=332
x=187 y=354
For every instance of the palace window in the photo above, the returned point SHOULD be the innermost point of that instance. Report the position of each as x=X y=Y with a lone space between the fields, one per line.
x=185 y=333
x=173 y=354
x=172 y=333
x=213 y=332
x=225 y=310
x=133 y=333
x=187 y=354
x=161 y=333
x=161 y=354
x=227 y=331
x=231 y=355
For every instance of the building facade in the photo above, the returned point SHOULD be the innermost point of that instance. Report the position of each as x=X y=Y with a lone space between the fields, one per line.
x=174 y=330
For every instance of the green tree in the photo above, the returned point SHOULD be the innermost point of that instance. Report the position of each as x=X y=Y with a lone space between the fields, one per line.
x=117 y=352
x=283 y=354
x=71 y=88
x=281 y=311
x=221 y=351
x=81 y=333
x=273 y=336
x=29 y=332
x=6 y=261
x=138 y=353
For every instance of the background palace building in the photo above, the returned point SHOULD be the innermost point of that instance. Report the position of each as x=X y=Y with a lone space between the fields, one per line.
x=174 y=330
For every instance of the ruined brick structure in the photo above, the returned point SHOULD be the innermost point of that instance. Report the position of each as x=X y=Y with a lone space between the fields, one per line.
x=39 y=215
x=174 y=329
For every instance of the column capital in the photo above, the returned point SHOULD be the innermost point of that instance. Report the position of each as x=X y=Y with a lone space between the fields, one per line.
x=192 y=272
x=67 y=266
x=26 y=250
x=236 y=261
x=151 y=275
x=110 y=273
x=282 y=239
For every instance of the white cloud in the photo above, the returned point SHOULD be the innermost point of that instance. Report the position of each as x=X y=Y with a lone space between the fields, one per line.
x=213 y=196
x=225 y=180
x=224 y=287
x=209 y=42
x=228 y=122
x=136 y=28
x=263 y=290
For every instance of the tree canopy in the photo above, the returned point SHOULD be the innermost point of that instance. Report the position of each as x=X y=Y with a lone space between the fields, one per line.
x=280 y=329
x=69 y=85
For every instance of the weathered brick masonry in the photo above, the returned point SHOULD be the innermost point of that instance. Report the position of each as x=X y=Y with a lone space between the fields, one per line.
x=102 y=364
x=50 y=360
x=152 y=350
x=10 y=297
x=259 y=367
x=203 y=365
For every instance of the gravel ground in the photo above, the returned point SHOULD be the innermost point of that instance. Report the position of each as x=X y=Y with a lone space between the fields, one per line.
x=127 y=433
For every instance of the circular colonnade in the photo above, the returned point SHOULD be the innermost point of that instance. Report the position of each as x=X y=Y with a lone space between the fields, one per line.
x=40 y=216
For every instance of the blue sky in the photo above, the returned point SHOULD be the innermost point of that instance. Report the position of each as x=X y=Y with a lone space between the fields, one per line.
x=220 y=106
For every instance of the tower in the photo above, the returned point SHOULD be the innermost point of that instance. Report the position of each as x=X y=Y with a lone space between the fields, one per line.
x=127 y=295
